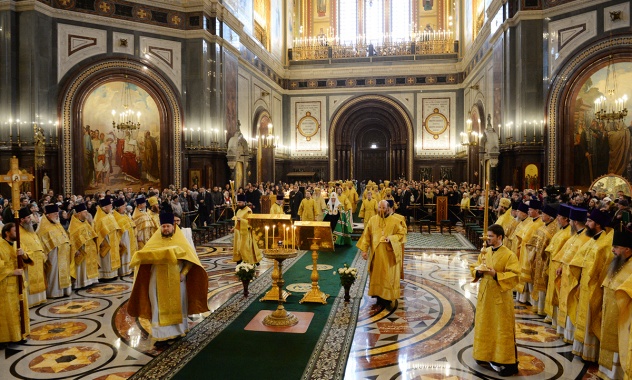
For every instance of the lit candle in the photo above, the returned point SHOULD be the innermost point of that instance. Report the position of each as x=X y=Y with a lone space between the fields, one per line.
x=284 y=237
x=293 y=236
x=273 y=241
x=267 y=228
x=287 y=234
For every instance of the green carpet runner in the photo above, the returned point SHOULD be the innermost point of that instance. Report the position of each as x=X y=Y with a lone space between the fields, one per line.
x=239 y=354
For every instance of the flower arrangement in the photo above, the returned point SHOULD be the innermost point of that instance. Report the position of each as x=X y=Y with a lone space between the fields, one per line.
x=347 y=275
x=245 y=271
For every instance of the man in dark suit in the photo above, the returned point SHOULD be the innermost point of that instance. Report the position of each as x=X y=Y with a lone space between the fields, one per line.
x=296 y=197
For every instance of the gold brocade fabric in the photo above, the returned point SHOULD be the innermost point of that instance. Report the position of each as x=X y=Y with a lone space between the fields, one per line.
x=32 y=246
x=594 y=269
x=307 y=210
x=53 y=235
x=538 y=259
x=10 y=301
x=126 y=224
x=145 y=226
x=156 y=218
x=275 y=209
x=385 y=258
x=83 y=240
x=570 y=277
x=344 y=201
x=523 y=255
x=164 y=254
x=623 y=297
x=494 y=323
x=516 y=239
x=609 y=337
x=105 y=226
x=509 y=232
x=368 y=209
x=504 y=220
x=555 y=246
x=352 y=195
x=321 y=206
x=244 y=246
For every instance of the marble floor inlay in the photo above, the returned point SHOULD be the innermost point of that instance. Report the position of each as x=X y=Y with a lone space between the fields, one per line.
x=427 y=334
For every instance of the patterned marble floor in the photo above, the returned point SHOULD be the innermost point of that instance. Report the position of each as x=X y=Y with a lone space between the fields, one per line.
x=427 y=336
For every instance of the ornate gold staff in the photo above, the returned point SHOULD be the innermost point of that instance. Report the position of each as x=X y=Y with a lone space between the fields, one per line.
x=483 y=267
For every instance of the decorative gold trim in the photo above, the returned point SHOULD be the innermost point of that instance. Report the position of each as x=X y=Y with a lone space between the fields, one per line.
x=132 y=68
x=558 y=86
x=400 y=109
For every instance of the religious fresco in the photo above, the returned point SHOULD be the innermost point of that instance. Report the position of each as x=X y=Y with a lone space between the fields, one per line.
x=112 y=158
x=242 y=9
x=276 y=29
x=600 y=147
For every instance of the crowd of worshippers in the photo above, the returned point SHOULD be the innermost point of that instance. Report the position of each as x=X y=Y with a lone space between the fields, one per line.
x=567 y=259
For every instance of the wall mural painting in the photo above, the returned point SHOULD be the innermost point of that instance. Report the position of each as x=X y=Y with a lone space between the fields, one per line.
x=112 y=158
x=531 y=177
x=600 y=147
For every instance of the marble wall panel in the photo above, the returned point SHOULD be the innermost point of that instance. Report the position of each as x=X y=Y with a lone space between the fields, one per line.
x=76 y=43
x=567 y=34
x=165 y=55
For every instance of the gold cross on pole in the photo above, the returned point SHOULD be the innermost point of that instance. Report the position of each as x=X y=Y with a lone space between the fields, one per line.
x=14 y=178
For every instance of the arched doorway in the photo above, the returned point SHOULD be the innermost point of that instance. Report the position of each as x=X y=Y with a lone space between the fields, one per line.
x=263 y=129
x=82 y=85
x=371 y=137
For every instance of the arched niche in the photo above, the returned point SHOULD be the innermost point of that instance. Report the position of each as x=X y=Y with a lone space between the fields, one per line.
x=569 y=120
x=80 y=85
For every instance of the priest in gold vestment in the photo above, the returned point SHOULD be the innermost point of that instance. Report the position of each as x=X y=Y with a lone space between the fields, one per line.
x=154 y=210
x=245 y=247
x=554 y=250
x=494 y=323
x=10 y=328
x=381 y=244
x=277 y=208
x=620 y=269
x=108 y=240
x=32 y=246
x=321 y=204
x=83 y=247
x=56 y=245
x=144 y=223
x=128 y=244
x=597 y=258
x=308 y=209
x=568 y=274
x=539 y=259
x=170 y=282
x=534 y=221
x=352 y=195
x=369 y=207
x=523 y=219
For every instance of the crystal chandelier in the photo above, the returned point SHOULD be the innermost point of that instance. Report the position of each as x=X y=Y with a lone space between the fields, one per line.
x=609 y=108
x=126 y=119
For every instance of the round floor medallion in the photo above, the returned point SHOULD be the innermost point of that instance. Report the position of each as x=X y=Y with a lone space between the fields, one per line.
x=299 y=287
x=57 y=330
x=64 y=359
x=74 y=307
x=320 y=267
x=107 y=289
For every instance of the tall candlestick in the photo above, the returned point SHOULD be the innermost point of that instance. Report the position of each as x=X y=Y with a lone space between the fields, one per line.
x=273 y=241
x=287 y=234
x=266 y=245
x=284 y=238
x=293 y=236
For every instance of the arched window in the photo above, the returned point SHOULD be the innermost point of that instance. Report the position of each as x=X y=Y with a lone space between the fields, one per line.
x=374 y=21
x=348 y=17
x=400 y=20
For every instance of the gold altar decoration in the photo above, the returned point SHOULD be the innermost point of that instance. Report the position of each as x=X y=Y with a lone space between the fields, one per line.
x=315 y=236
x=280 y=317
x=267 y=231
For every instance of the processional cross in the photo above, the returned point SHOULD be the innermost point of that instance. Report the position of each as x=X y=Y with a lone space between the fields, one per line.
x=15 y=178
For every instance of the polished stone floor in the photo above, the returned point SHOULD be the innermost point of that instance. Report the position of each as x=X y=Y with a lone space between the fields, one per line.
x=428 y=335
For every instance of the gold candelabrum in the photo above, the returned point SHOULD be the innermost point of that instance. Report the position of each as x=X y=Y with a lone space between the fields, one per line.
x=507 y=139
x=280 y=317
x=483 y=266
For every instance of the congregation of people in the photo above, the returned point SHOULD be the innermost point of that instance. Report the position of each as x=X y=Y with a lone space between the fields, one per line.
x=560 y=251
